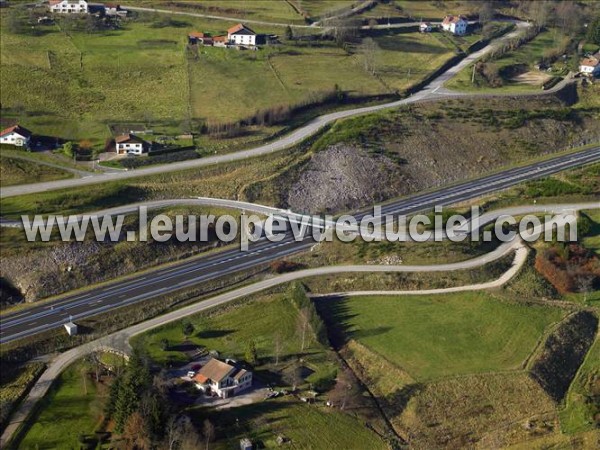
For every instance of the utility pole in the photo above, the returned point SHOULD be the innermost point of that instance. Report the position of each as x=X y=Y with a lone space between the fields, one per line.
x=473 y=75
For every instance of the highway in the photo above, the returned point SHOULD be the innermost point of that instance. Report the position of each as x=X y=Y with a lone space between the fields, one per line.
x=192 y=272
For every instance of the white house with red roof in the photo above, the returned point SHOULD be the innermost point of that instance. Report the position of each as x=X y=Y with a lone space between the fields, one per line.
x=590 y=65
x=16 y=135
x=222 y=378
x=455 y=24
x=69 y=6
x=240 y=34
x=130 y=144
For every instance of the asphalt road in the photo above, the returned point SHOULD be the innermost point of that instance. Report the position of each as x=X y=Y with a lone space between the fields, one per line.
x=193 y=272
x=433 y=91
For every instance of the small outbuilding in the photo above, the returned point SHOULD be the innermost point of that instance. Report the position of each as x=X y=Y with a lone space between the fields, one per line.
x=71 y=328
x=245 y=444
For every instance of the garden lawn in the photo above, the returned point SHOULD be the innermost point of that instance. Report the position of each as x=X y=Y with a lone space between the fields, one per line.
x=306 y=426
x=444 y=335
x=229 y=332
x=66 y=412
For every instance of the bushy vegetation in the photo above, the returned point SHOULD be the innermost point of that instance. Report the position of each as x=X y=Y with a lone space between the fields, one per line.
x=570 y=268
x=563 y=353
x=15 y=383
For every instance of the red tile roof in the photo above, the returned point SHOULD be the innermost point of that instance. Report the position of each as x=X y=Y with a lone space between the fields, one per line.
x=453 y=19
x=220 y=38
x=239 y=27
x=17 y=129
x=592 y=62
x=199 y=378
x=196 y=34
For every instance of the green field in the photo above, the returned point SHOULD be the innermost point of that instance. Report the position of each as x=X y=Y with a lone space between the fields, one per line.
x=405 y=59
x=66 y=412
x=444 y=335
x=306 y=427
x=80 y=83
x=434 y=10
x=278 y=11
x=19 y=171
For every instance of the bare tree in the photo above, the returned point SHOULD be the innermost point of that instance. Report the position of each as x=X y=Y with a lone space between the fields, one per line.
x=585 y=284
x=568 y=16
x=181 y=434
x=208 y=430
x=370 y=51
x=277 y=347
x=84 y=371
x=486 y=12
x=343 y=29
x=540 y=13
x=303 y=327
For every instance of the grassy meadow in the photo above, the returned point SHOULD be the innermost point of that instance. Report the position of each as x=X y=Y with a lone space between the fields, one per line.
x=445 y=335
x=73 y=406
x=79 y=84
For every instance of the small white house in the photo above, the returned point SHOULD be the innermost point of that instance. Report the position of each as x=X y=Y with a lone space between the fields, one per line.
x=69 y=6
x=241 y=35
x=17 y=136
x=130 y=144
x=455 y=24
x=71 y=328
x=425 y=27
x=223 y=379
x=591 y=65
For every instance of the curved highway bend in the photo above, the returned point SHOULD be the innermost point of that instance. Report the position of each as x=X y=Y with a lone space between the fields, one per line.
x=161 y=281
x=433 y=91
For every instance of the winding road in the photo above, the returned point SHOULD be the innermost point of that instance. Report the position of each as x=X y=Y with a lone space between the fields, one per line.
x=431 y=92
x=120 y=340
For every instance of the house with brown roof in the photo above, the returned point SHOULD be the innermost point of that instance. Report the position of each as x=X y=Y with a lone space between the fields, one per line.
x=590 y=65
x=240 y=34
x=130 y=144
x=220 y=41
x=16 y=135
x=197 y=37
x=455 y=24
x=222 y=378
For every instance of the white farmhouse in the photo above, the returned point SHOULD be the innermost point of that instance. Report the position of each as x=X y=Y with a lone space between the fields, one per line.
x=241 y=35
x=591 y=65
x=17 y=136
x=69 y=6
x=131 y=144
x=222 y=379
x=455 y=24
